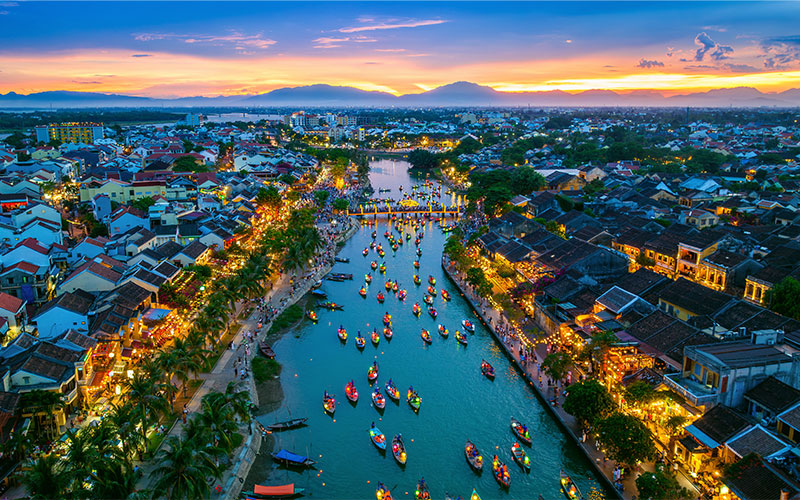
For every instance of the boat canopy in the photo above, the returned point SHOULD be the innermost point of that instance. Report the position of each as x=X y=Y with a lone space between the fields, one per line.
x=292 y=457
x=284 y=489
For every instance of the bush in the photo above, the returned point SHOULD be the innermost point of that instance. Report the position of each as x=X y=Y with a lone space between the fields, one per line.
x=287 y=318
x=265 y=369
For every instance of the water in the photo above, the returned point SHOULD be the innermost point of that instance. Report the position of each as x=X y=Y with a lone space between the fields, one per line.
x=458 y=403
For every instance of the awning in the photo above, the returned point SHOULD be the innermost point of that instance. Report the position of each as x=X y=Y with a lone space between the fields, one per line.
x=288 y=455
x=701 y=436
x=97 y=380
x=285 y=489
x=127 y=352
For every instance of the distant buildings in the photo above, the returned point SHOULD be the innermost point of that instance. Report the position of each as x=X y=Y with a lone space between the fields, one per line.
x=85 y=133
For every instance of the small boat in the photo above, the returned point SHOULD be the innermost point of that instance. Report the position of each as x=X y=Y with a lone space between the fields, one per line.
x=520 y=456
x=377 y=438
x=416 y=309
x=340 y=276
x=319 y=294
x=280 y=491
x=290 y=459
x=383 y=493
x=474 y=457
x=363 y=292
x=381 y=297
x=329 y=403
x=395 y=287
x=422 y=492
x=401 y=295
x=342 y=333
x=375 y=337
x=431 y=280
x=287 y=424
x=386 y=234
x=372 y=244
x=426 y=336
x=387 y=332
x=395 y=246
x=413 y=399
x=416 y=242
x=468 y=326
x=416 y=264
x=372 y=373
x=521 y=431
x=381 y=254
x=487 y=369
x=368 y=278
x=343 y=260
x=351 y=392
x=374 y=234
x=445 y=295
x=500 y=472
x=432 y=291
x=312 y=315
x=474 y=495
x=461 y=338
x=399 y=449
x=444 y=332
x=432 y=311
x=388 y=285
x=365 y=252
x=331 y=306
x=569 y=487
x=392 y=391
x=387 y=319
x=419 y=252
x=360 y=341
x=382 y=269
x=378 y=400
x=408 y=236
x=266 y=350
x=417 y=281
x=428 y=300
x=373 y=265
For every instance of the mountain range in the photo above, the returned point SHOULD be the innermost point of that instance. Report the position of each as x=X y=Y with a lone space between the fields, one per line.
x=458 y=94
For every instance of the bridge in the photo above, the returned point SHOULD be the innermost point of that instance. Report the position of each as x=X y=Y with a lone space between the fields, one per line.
x=390 y=210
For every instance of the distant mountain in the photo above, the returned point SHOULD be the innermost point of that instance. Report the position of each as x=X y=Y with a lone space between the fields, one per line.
x=458 y=94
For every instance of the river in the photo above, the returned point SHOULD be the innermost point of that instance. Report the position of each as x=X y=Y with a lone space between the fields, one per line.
x=458 y=402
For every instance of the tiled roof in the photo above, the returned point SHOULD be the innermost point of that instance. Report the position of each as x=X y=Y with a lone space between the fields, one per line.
x=10 y=303
x=693 y=297
x=774 y=395
x=721 y=423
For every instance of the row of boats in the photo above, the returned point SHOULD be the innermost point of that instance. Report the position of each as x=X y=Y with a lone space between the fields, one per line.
x=392 y=392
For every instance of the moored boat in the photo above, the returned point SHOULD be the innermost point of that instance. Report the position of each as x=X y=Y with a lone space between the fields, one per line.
x=500 y=472
x=521 y=431
x=413 y=399
x=351 y=392
x=474 y=457
x=520 y=456
x=468 y=326
x=377 y=437
x=290 y=459
x=266 y=350
x=569 y=487
x=279 y=491
x=487 y=369
x=392 y=391
x=377 y=399
x=312 y=315
x=329 y=403
x=286 y=425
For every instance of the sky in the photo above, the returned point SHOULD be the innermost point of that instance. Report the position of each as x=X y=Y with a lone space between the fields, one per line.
x=176 y=49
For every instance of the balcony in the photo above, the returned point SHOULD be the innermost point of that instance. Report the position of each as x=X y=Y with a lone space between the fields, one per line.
x=696 y=394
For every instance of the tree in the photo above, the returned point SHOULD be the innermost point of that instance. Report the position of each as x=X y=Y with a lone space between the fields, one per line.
x=187 y=163
x=143 y=204
x=660 y=485
x=784 y=298
x=555 y=365
x=640 y=393
x=589 y=401
x=269 y=197
x=341 y=204
x=626 y=439
x=597 y=348
x=46 y=478
x=423 y=159
x=526 y=180
x=477 y=279
x=320 y=197
x=144 y=398
x=183 y=469
x=704 y=160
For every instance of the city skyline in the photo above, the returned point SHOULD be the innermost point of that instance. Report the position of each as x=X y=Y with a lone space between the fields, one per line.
x=170 y=50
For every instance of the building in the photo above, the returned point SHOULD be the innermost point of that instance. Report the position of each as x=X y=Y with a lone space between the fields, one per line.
x=86 y=133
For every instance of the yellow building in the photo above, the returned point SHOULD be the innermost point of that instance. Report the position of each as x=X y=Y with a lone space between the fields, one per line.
x=86 y=133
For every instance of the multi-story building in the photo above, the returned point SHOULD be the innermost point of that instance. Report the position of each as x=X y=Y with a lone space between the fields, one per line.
x=86 y=133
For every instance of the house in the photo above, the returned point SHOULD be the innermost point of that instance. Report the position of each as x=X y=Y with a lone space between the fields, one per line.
x=68 y=311
x=541 y=202
x=96 y=275
x=125 y=218
x=686 y=299
x=88 y=248
x=769 y=398
x=561 y=181
x=192 y=254
x=706 y=436
x=27 y=281
x=762 y=281
x=698 y=218
x=723 y=270
x=755 y=479
x=12 y=309
x=101 y=207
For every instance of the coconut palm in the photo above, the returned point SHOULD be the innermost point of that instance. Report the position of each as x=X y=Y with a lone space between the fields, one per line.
x=233 y=400
x=183 y=470
x=220 y=423
x=80 y=458
x=115 y=479
x=122 y=420
x=144 y=400
x=46 y=478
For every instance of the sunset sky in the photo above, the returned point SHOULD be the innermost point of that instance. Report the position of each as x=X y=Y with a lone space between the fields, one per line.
x=212 y=48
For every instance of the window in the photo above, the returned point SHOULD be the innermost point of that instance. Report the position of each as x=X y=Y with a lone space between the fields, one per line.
x=26 y=380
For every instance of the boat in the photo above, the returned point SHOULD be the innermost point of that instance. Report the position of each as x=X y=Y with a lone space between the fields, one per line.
x=422 y=492
x=474 y=457
x=360 y=341
x=312 y=315
x=416 y=264
x=388 y=285
x=266 y=350
x=368 y=278
x=280 y=491
x=377 y=399
x=474 y=495
x=365 y=252
x=286 y=425
x=329 y=403
x=319 y=294
x=419 y=252
x=363 y=292
x=387 y=319
x=383 y=492
x=569 y=487
x=392 y=391
x=416 y=309
x=340 y=276
x=381 y=297
x=461 y=338
x=468 y=326
x=382 y=269
x=417 y=281
x=399 y=449
x=372 y=244
x=521 y=431
x=432 y=311
x=431 y=280
x=342 y=333
x=290 y=459
x=395 y=287
x=381 y=254
x=520 y=456
x=448 y=496
x=375 y=337
x=373 y=265
x=387 y=332
x=432 y=291
x=377 y=438
x=428 y=300
x=445 y=294
x=372 y=373
x=351 y=392
x=500 y=472
x=408 y=236
x=386 y=234
x=444 y=332
x=426 y=336
x=374 y=234
x=413 y=399
x=401 y=295
x=331 y=306
x=343 y=260
x=487 y=369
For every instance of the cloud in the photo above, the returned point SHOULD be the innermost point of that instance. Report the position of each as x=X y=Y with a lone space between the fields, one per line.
x=644 y=63
x=741 y=68
x=141 y=55
x=390 y=50
x=238 y=40
x=391 y=25
x=3 y=12
x=79 y=82
x=780 y=52
x=9 y=4
x=706 y=45
x=328 y=42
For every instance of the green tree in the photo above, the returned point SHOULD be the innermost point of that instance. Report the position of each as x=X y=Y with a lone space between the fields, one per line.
x=188 y=163
x=47 y=478
x=589 y=401
x=626 y=439
x=423 y=159
x=640 y=393
x=784 y=298
x=704 y=160
x=320 y=197
x=143 y=204
x=144 y=398
x=555 y=365
x=269 y=196
x=183 y=469
x=340 y=204
x=660 y=485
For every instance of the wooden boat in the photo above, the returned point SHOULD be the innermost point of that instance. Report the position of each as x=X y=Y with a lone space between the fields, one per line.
x=386 y=234
x=351 y=392
x=387 y=332
x=520 y=456
x=399 y=449
x=569 y=487
x=383 y=493
x=312 y=315
x=461 y=338
x=360 y=341
x=391 y=391
x=387 y=319
x=408 y=236
x=374 y=234
x=388 y=285
x=377 y=438
x=340 y=276
x=432 y=311
x=432 y=291
x=381 y=297
x=444 y=332
x=417 y=281
x=373 y=265
x=416 y=264
x=500 y=472
x=331 y=306
x=382 y=269
x=363 y=292
x=395 y=287
x=413 y=399
x=368 y=278
x=372 y=244
x=431 y=280
x=416 y=309
x=426 y=336
x=521 y=431
x=290 y=459
x=342 y=333
x=401 y=295
x=365 y=252
x=468 y=326
x=487 y=369
x=319 y=294
x=474 y=457
x=266 y=350
x=445 y=294
x=280 y=491
x=343 y=260
x=428 y=300
x=329 y=403
x=375 y=337
x=474 y=496
x=377 y=399
x=422 y=492
x=381 y=253
x=286 y=425
x=372 y=373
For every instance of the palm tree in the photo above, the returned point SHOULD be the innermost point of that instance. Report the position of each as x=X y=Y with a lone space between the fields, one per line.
x=236 y=401
x=219 y=421
x=115 y=479
x=144 y=400
x=46 y=478
x=42 y=405
x=81 y=457
x=122 y=421
x=183 y=470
